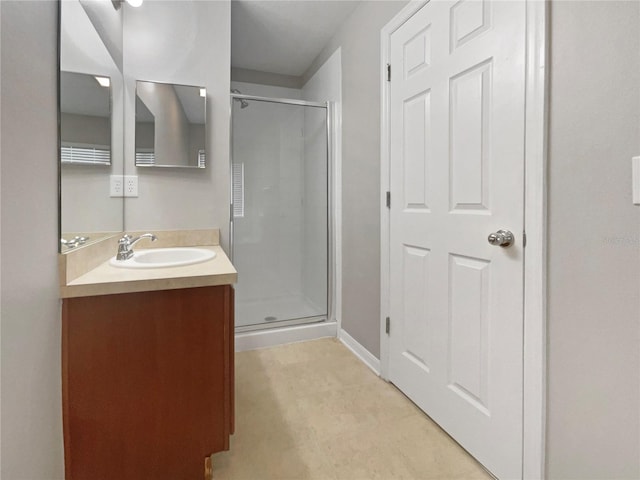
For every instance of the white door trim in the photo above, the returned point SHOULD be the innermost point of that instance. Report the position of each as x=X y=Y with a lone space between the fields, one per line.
x=335 y=212
x=535 y=262
x=385 y=164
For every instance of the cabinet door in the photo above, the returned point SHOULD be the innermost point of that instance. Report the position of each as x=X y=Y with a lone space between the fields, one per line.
x=146 y=383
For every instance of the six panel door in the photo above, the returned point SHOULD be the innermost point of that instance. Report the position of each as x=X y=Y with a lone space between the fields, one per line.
x=457 y=175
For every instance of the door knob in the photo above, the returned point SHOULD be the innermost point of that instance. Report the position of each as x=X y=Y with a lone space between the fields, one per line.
x=501 y=238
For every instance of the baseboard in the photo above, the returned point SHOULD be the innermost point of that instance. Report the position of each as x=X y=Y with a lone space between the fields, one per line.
x=359 y=351
x=282 y=336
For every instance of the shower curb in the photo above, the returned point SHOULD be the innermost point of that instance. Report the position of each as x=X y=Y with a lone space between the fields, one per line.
x=281 y=336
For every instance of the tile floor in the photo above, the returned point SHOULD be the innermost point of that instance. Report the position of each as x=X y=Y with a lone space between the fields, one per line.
x=313 y=410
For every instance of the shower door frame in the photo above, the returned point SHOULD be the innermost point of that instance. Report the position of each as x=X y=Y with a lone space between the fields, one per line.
x=331 y=189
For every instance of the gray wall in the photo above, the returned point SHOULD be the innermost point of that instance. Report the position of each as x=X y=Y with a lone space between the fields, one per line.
x=30 y=309
x=108 y=23
x=75 y=128
x=265 y=78
x=359 y=38
x=197 y=52
x=594 y=239
x=86 y=205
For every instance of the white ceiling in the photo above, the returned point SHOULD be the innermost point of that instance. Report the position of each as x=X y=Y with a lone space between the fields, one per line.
x=283 y=37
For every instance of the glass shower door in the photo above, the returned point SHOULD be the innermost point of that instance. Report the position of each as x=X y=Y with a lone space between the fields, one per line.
x=280 y=234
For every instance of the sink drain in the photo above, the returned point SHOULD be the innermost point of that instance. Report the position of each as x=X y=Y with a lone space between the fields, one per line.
x=270 y=319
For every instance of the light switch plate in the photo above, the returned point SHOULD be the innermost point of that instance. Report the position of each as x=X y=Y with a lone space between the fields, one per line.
x=635 y=169
x=130 y=185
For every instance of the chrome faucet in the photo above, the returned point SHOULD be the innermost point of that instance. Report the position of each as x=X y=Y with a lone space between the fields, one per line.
x=126 y=243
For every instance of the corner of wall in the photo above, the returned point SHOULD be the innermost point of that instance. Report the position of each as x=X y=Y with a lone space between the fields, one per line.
x=30 y=307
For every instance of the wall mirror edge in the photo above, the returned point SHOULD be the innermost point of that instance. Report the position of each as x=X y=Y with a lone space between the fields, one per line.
x=90 y=133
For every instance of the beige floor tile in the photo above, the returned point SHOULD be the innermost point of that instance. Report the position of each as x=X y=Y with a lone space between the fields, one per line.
x=262 y=358
x=314 y=351
x=299 y=463
x=368 y=454
x=313 y=410
x=234 y=466
x=429 y=452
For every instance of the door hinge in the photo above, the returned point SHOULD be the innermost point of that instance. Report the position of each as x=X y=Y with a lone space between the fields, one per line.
x=524 y=239
x=387 y=327
x=388 y=199
x=231 y=212
x=388 y=72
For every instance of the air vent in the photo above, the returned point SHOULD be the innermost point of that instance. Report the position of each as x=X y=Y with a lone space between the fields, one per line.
x=238 y=189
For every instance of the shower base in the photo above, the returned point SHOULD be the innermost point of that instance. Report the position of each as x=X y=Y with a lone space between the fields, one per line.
x=275 y=310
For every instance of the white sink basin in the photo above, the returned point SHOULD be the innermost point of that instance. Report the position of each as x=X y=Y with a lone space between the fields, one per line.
x=164 y=257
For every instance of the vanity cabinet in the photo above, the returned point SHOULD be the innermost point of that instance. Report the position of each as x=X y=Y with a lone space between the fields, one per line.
x=147 y=383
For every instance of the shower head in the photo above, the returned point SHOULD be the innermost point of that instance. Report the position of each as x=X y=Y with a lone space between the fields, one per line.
x=243 y=102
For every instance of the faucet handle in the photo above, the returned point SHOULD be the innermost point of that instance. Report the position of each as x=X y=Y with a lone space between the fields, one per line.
x=124 y=248
x=126 y=243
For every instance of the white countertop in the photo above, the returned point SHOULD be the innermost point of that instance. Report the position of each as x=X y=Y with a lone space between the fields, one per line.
x=106 y=279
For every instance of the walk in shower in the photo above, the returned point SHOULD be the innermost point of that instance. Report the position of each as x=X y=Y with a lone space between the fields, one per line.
x=280 y=230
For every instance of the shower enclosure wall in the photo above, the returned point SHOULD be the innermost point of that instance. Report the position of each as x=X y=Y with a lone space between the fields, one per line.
x=280 y=203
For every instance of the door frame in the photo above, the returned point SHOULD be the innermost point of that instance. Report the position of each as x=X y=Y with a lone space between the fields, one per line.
x=535 y=223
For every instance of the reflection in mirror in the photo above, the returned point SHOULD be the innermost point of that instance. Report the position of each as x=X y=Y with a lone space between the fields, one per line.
x=170 y=125
x=85 y=119
x=91 y=121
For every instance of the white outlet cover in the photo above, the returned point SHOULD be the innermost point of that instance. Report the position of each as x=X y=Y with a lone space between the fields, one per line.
x=116 y=186
x=130 y=185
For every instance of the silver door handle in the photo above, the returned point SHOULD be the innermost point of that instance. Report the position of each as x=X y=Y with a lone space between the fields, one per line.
x=501 y=238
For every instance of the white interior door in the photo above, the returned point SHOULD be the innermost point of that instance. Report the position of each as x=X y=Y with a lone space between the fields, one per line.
x=457 y=174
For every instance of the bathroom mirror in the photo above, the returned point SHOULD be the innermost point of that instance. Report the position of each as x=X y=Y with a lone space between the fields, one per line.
x=91 y=91
x=170 y=125
x=85 y=119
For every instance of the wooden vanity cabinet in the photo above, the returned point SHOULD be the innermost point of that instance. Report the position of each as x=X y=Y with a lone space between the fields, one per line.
x=147 y=383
